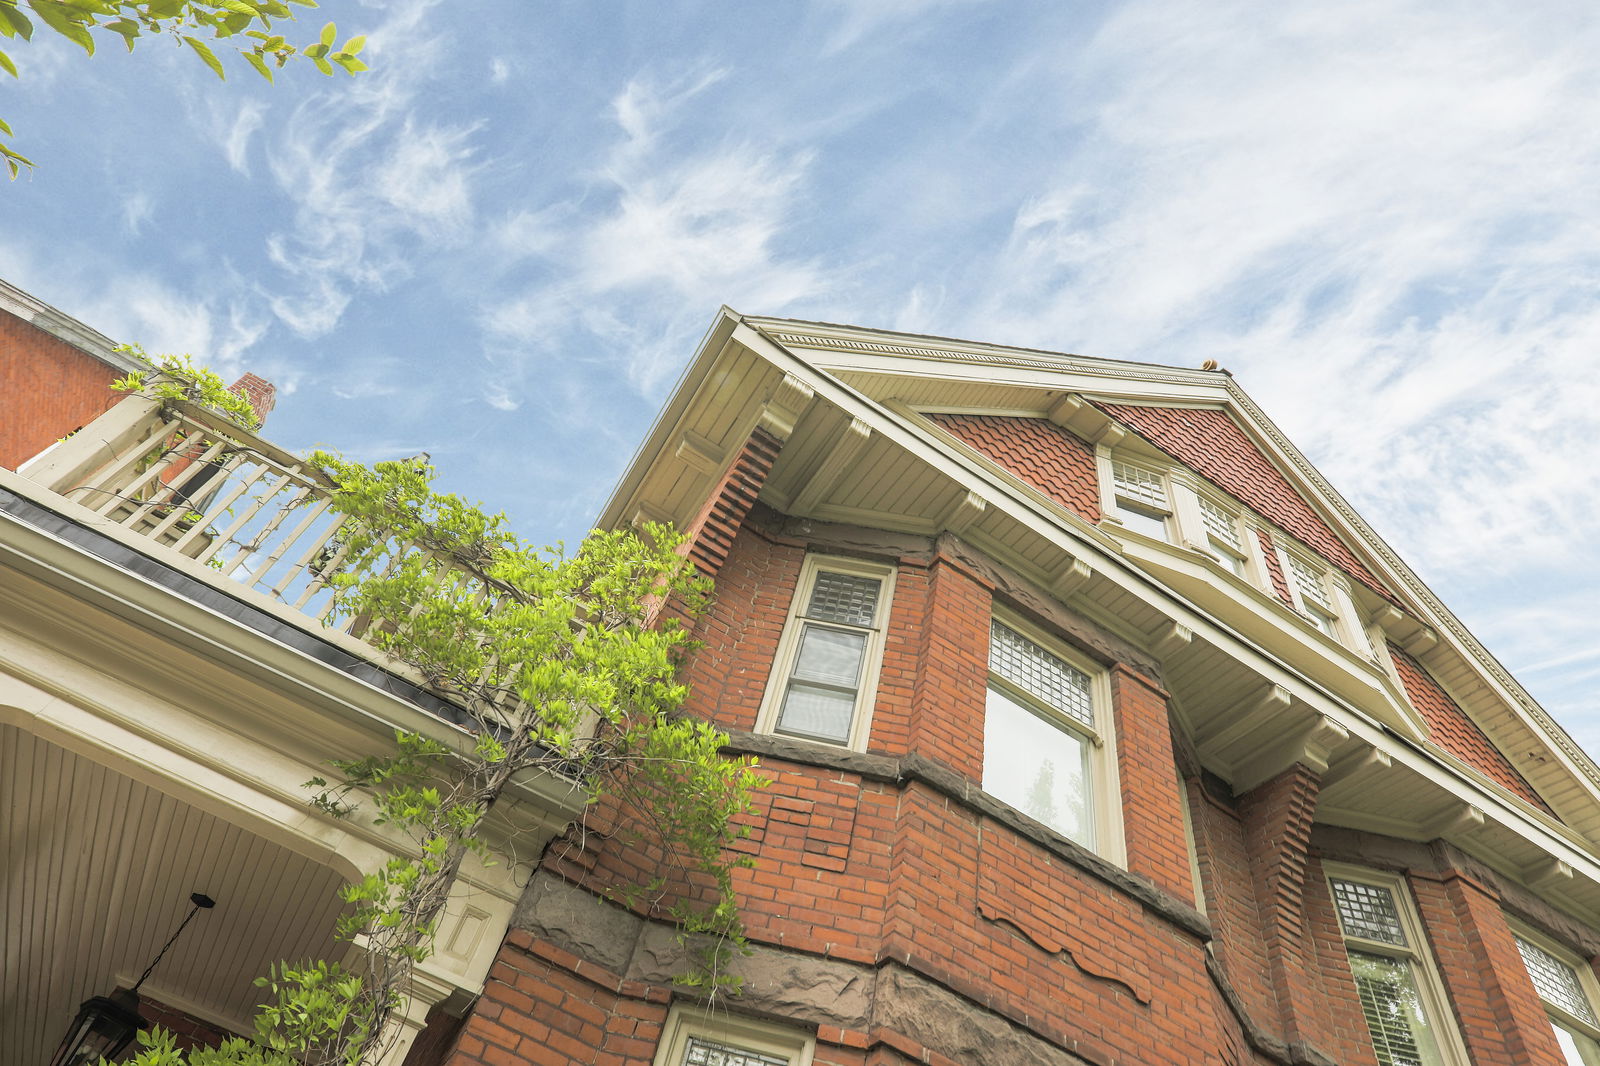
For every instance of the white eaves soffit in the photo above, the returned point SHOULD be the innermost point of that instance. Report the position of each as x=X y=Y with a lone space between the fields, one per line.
x=856 y=451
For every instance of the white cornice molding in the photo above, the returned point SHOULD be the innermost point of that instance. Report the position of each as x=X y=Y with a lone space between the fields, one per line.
x=819 y=336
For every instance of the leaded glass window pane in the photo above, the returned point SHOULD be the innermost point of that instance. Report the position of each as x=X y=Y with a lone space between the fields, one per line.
x=1040 y=674
x=1138 y=485
x=1368 y=912
x=850 y=599
x=1393 y=1008
x=1220 y=525
x=1309 y=580
x=1556 y=982
x=1039 y=768
x=706 y=1053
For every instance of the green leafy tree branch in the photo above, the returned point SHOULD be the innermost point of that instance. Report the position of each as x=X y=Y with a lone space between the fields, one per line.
x=566 y=664
x=250 y=27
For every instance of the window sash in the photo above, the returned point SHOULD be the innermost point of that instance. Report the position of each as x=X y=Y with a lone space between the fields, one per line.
x=1039 y=766
x=1046 y=677
x=1139 y=486
x=702 y=1052
x=829 y=653
x=1556 y=981
x=1392 y=1003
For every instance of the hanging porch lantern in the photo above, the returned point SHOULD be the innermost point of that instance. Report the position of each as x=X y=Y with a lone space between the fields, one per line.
x=106 y=1025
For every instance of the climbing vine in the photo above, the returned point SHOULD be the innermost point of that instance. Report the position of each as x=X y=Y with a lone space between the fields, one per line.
x=565 y=664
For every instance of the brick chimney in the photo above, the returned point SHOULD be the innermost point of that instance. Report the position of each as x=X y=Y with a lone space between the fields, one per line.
x=262 y=394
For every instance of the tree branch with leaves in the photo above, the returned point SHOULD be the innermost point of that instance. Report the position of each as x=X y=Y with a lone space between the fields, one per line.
x=250 y=27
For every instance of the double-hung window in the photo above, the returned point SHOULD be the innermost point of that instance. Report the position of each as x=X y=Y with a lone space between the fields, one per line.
x=1142 y=502
x=1312 y=592
x=1567 y=988
x=1399 y=990
x=827 y=666
x=1045 y=746
x=1223 y=539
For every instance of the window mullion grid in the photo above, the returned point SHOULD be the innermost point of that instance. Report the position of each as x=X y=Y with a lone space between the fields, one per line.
x=1558 y=1011
x=1043 y=709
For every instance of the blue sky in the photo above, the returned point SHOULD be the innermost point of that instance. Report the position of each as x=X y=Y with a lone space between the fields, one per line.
x=502 y=244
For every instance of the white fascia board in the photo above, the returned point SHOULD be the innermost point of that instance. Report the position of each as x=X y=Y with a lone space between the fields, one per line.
x=889 y=352
x=664 y=429
x=1553 y=839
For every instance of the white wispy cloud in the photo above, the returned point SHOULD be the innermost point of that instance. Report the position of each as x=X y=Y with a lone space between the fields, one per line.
x=1376 y=215
x=376 y=184
x=854 y=20
x=683 y=227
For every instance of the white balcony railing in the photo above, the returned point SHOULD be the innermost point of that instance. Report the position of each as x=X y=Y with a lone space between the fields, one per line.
x=185 y=481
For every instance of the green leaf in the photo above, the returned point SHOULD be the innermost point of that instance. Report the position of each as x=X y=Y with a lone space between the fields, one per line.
x=5 y=127
x=14 y=161
x=350 y=63
x=316 y=51
x=239 y=7
x=16 y=21
x=58 y=17
x=260 y=64
x=11 y=69
x=354 y=46
x=127 y=27
x=204 y=53
x=329 y=32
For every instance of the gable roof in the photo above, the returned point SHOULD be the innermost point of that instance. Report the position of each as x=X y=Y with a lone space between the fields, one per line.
x=914 y=434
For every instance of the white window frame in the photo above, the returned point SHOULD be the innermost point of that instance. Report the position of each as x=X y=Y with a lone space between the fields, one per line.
x=1191 y=502
x=1416 y=953
x=685 y=1023
x=1586 y=1034
x=1189 y=840
x=1324 y=618
x=794 y=625
x=1116 y=504
x=1105 y=795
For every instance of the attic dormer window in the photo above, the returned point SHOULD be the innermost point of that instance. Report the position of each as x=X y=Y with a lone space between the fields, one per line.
x=1223 y=539
x=1312 y=593
x=1142 y=502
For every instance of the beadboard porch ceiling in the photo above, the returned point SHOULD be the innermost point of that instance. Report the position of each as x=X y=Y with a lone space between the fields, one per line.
x=95 y=873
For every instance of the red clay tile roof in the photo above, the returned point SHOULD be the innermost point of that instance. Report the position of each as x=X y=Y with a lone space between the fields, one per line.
x=1210 y=442
x=1451 y=729
x=1041 y=453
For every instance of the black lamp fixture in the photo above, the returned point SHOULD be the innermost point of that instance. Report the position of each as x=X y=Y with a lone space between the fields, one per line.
x=106 y=1025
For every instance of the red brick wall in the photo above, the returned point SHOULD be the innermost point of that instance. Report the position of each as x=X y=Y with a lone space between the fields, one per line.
x=855 y=868
x=48 y=388
x=874 y=866
x=1495 y=1002
x=1213 y=445
x=1451 y=729
x=190 y=1031
x=1151 y=805
x=1049 y=458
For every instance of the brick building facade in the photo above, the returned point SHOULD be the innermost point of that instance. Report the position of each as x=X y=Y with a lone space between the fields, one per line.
x=1099 y=729
x=1123 y=740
